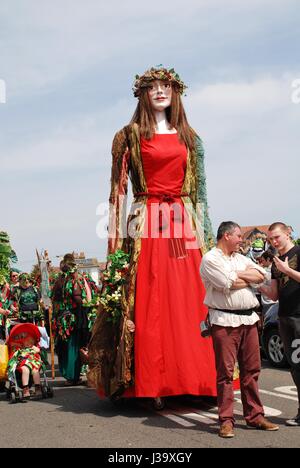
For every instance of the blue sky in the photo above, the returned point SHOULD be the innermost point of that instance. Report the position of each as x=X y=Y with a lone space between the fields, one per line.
x=69 y=68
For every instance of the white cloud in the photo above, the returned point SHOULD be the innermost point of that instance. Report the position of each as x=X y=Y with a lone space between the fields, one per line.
x=252 y=140
x=226 y=111
x=45 y=43
x=83 y=143
x=244 y=112
x=260 y=95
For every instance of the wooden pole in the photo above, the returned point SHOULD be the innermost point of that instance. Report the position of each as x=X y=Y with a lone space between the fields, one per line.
x=51 y=342
x=48 y=304
x=38 y=257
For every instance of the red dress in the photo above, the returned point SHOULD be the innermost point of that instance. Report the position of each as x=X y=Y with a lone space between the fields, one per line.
x=171 y=357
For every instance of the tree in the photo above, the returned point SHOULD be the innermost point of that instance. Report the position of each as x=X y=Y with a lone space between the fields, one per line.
x=7 y=254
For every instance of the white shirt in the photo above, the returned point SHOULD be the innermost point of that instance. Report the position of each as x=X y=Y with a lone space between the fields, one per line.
x=219 y=272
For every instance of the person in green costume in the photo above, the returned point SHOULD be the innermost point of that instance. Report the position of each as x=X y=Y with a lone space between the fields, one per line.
x=7 y=308
x=71 y=292
x=28 y=299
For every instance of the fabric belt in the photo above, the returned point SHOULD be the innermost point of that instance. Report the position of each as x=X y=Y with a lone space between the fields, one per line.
x=163 y=197
x=236 y=312
x=177 y=245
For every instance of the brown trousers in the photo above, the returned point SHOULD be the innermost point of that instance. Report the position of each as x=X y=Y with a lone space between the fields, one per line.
x=240 y=345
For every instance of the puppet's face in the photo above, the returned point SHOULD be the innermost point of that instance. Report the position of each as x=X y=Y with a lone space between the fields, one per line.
x=160 y=94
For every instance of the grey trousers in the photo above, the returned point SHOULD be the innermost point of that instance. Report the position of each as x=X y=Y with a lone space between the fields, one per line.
x=289 y=328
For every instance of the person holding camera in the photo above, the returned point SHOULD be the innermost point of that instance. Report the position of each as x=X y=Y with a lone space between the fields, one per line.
x=285 y=287
x=227 y=277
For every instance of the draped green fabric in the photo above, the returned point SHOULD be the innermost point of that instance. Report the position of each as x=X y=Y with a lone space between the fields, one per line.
x=69 y=357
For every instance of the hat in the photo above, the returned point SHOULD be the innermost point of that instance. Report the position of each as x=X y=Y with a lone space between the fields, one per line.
x=68 y=263
x=157 y=73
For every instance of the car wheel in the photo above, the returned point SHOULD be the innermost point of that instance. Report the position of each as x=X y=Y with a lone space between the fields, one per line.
x=274 y=349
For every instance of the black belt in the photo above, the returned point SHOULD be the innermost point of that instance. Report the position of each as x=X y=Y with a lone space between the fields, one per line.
x=236 y=312
x=30 y=312
x=29 y=307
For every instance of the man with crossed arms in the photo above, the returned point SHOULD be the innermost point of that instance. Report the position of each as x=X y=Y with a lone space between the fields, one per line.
x=227 y=276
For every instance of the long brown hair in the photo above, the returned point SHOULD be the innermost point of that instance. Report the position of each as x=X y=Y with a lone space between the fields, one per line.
x=144 y=116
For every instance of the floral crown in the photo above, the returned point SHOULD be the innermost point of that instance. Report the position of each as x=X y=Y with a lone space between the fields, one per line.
x=157 y=73
x=24 y=277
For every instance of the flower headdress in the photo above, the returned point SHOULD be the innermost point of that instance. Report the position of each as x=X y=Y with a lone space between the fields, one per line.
x=157 y=73
x=24 y=277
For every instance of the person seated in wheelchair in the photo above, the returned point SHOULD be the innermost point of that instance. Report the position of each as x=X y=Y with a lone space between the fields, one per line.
x=25 y=360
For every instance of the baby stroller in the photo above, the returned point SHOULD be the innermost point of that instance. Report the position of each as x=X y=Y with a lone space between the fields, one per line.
x=22 y=336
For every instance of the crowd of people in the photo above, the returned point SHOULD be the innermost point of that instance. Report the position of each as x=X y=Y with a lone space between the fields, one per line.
x=232 y=281
x=153 y=348
x=75 y=299
x=141 y=335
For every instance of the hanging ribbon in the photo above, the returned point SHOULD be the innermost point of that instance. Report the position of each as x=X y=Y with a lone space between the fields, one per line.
x=177 y=245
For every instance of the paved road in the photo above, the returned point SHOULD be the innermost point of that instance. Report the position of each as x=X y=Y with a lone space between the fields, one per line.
x=75 y=417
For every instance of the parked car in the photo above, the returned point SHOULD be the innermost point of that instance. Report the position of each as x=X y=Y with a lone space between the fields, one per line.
x=270 y=339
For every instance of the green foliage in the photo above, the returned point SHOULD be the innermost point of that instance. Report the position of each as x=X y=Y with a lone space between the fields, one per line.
x=7 y=254
x=113 y=280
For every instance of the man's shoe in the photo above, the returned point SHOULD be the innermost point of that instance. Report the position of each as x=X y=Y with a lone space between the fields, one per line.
x=264 y=425
x=293 y=422
x=226 y=431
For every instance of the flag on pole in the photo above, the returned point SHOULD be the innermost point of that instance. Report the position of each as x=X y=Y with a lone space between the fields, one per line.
x=45 y=283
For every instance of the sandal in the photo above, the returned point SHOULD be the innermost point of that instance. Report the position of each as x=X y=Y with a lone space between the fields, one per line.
x=38 y=394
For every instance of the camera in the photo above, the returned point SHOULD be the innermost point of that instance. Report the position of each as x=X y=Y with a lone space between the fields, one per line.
x=205 y=328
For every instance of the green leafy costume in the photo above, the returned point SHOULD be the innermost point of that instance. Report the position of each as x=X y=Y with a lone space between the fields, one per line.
x=74 y=317
x=28 y=300
x=24 y=357
x=6 y=303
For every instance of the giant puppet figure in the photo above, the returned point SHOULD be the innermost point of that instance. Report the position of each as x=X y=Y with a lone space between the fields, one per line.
x=155 y=348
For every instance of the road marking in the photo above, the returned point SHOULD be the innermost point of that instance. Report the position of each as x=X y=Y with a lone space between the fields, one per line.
x=209 y=417
x=268 y=411
x=175 y=418
x=289 y=390
x=169 y=415
x=197 y=415
x=287 y=397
